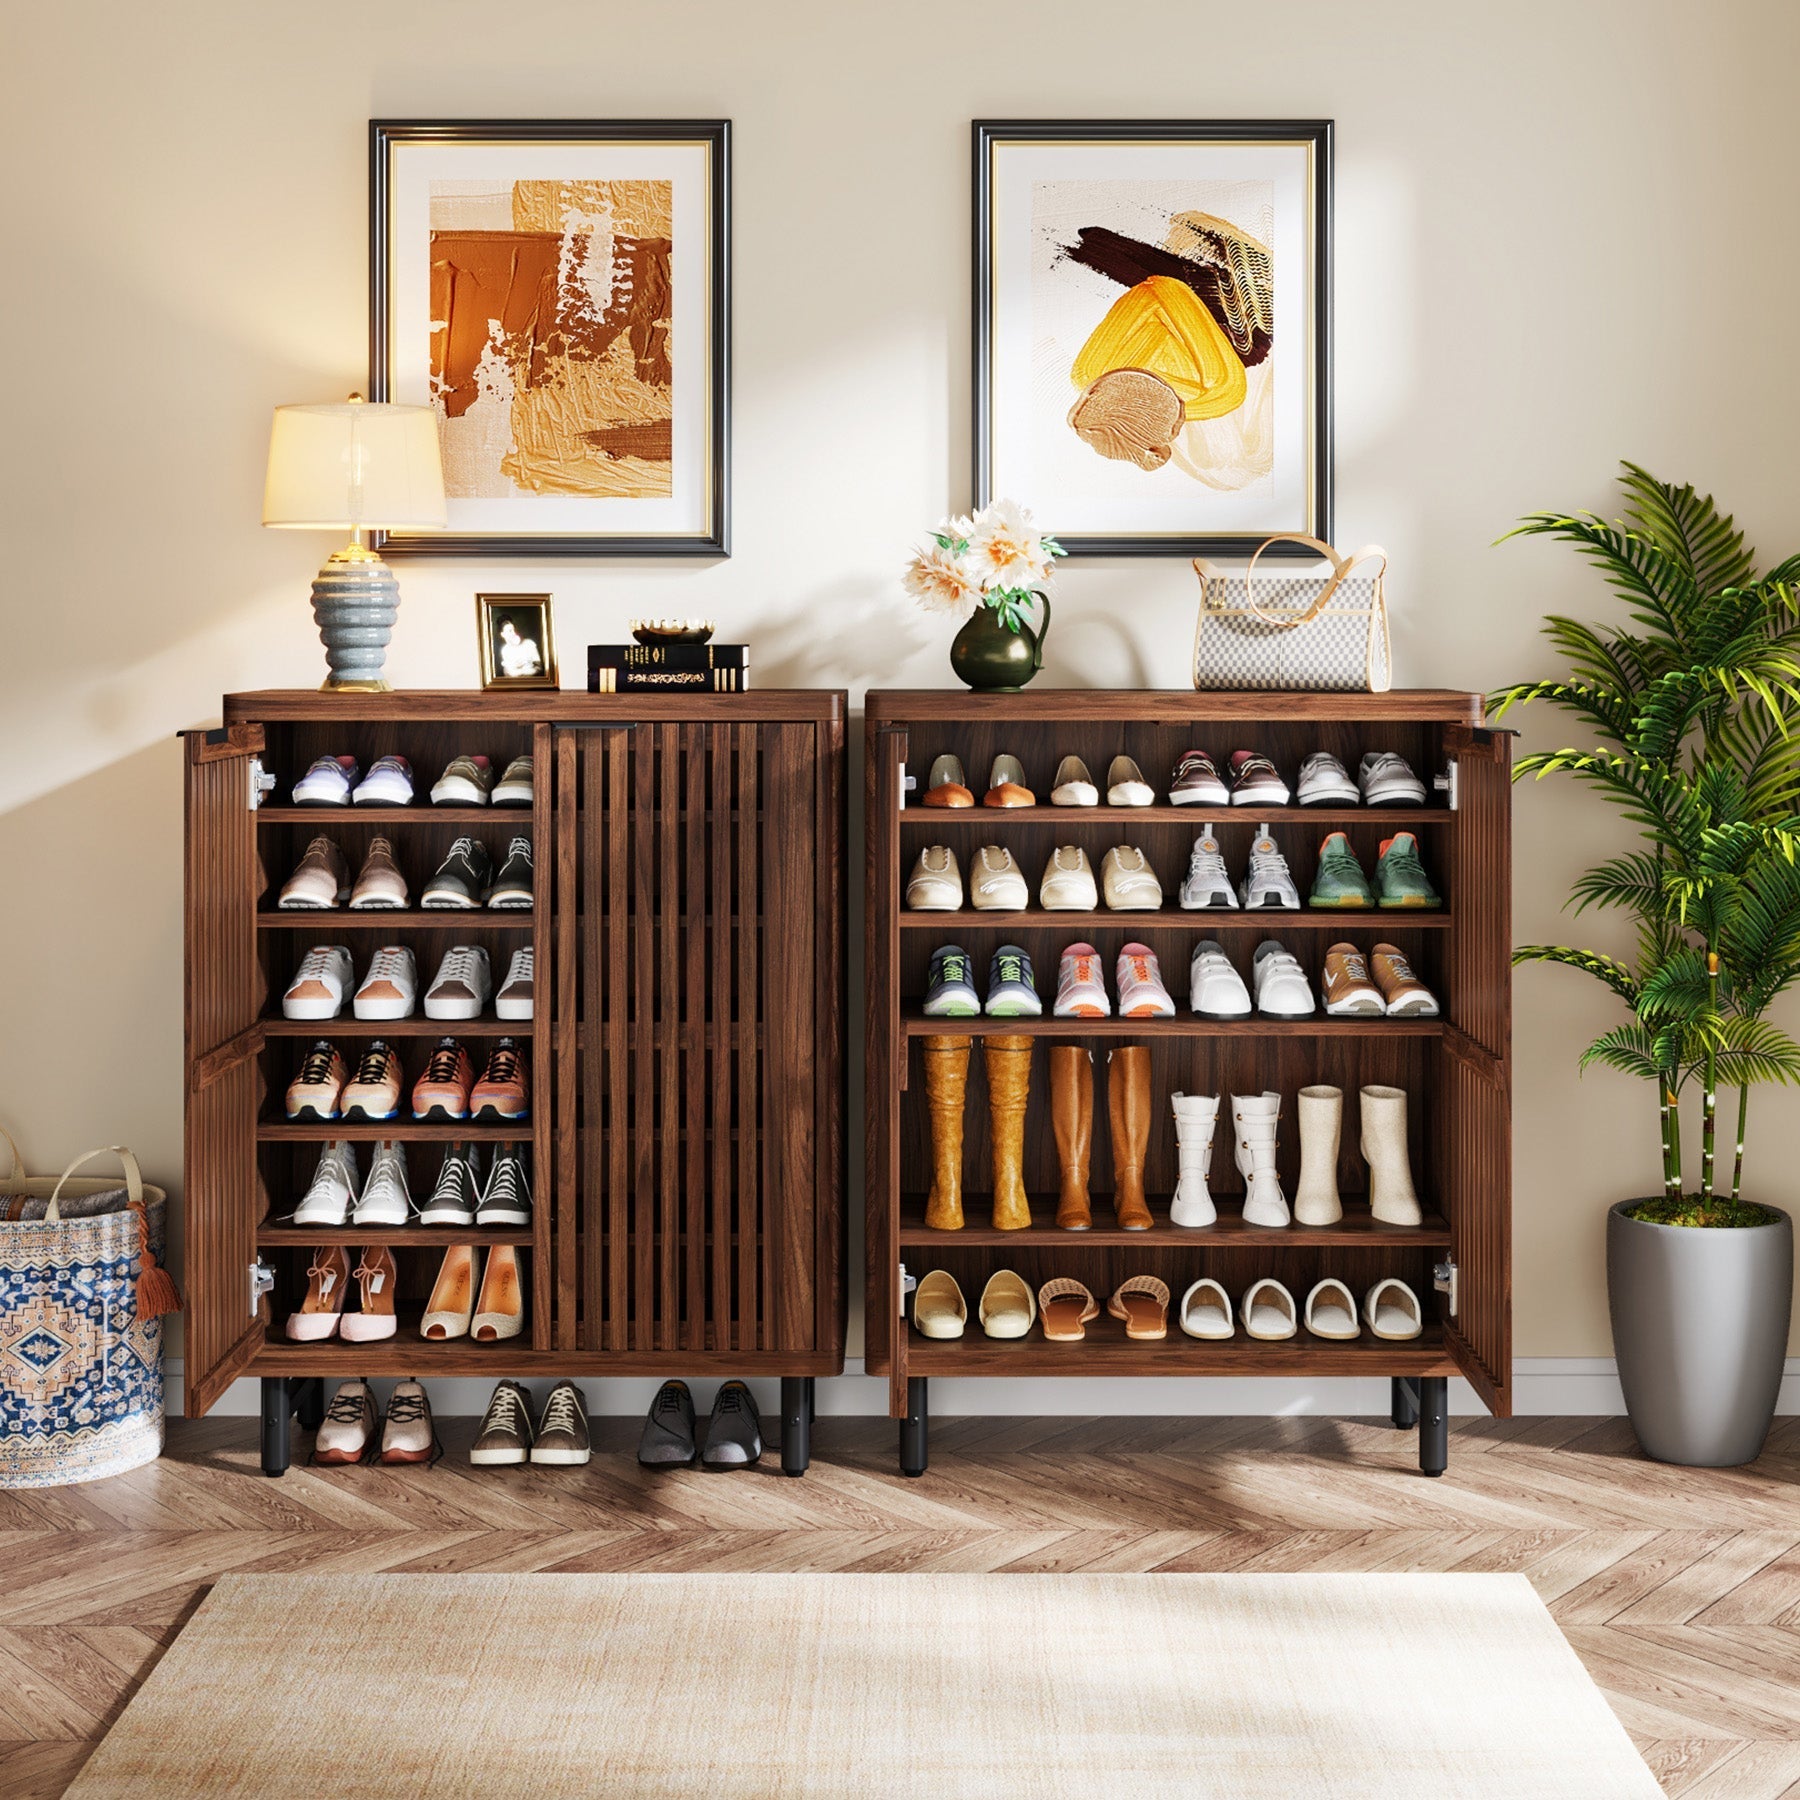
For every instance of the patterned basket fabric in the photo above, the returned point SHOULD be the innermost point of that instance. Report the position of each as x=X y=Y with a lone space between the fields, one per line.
x=81 y=1373
x=1323 y=630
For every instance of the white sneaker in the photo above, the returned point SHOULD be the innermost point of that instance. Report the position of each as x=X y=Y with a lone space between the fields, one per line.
x=1324 y=781
x=1388 y=780
x=320 y=984
x=385 y=1200
x=1282 y=990
x=462 y=984
x=1129 y=881
x=935 y=884
x=1268 y=886
x=514 y=1001
x=389 y=782
x=1207 y=887
x=327 y=1198
x=328 y=782
x=996 y=882
x=1215 y=989
x=1126 y=786
x=1068 y=884
x=390 y=990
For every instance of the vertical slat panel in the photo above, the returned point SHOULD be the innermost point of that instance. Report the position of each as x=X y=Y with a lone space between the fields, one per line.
x=829 y=1014
x=558 y=1137
x=694 y=1088
x=643 y=1057
x=747 y=905
x=619 y=752
x=722 y=1074
x=668 y=1034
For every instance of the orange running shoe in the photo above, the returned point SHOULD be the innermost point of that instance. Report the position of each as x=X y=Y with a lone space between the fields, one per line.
x=441 y=1095
x=313 y=1094
x=502 y=1095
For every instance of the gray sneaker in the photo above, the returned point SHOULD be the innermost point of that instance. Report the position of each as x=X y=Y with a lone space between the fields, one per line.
x=562 y=1434
x=1012 y=985
x=505 y=1435
x=668 y=1436
x=734 y=1432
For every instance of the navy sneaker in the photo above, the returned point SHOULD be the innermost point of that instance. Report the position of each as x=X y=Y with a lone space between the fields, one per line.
x=1012 y=987
x=950 y=987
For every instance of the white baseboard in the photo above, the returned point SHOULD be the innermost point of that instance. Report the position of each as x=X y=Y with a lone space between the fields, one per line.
x=1542 y=1385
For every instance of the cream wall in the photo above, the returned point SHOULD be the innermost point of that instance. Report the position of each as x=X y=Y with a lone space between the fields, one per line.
x=1564 y=235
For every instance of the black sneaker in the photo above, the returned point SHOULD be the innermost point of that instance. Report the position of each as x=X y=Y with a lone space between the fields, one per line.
x=506 y=1200
x=734 y=1432
x=950 y=985
x=512 y=886
x=667 y=1441
x=454 y=1198
x=462 y=877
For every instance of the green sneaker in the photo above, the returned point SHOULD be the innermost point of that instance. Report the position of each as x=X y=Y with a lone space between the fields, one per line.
x=1340 y=880
x=1402 y=876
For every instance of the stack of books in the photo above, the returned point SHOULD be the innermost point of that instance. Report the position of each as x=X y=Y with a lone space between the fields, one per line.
x=668 y=668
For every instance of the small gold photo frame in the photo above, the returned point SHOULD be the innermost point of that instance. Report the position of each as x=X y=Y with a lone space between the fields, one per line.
x=518 y=641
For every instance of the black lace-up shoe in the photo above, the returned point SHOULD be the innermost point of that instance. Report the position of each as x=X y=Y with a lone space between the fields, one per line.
x=734 y=1432
x=668 y=1437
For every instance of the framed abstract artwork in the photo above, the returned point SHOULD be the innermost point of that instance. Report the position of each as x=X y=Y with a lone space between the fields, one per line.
x=1153 y=331
x=559 y=291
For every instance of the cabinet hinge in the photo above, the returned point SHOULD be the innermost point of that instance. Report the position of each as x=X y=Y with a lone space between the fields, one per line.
x=1446 y=784
x=907 y=1284
x=1443 y=1278
x=262 y=1281
x=261 y=782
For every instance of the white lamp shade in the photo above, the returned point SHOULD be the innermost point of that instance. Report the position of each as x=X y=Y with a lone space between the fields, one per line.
x=354 y=465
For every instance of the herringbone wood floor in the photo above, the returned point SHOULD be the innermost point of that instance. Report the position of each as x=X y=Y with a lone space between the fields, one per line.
x=1680 y=1589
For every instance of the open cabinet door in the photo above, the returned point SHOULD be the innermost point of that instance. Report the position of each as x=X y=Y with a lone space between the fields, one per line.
x=884 y=1330
x=1476 y=1092
x=220 y=1192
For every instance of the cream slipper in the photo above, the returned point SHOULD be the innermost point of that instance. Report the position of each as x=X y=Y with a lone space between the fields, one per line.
x=1331 y=1310
x=1270 y=1312
x=1066 y=1306
x=1393 y=1311
x=939 y=1309
x=1074 y=786
x=1007 y=1309
x=1126 y=786
x=1206 y=1310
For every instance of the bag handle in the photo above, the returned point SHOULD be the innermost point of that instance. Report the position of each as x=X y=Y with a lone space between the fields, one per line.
x=18 y=1162
x=1340 y=567
x=156 y=1290
x=134 y=1180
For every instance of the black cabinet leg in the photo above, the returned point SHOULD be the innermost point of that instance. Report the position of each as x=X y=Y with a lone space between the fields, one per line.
x=796 y=1423
x=309 y=1402
x=277 y=1422
x=913 y=1428
x=1434 y=1424
x=1405 y=1402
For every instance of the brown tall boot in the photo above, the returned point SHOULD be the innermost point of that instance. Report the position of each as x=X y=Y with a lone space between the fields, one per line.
x=1008 y=1061
x=946 y=1088
x=1072 y=1119
x=1128 y=1108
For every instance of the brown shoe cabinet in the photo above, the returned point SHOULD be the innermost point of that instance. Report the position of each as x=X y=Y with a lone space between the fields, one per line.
x=1455 y=1068
x=686 y=1133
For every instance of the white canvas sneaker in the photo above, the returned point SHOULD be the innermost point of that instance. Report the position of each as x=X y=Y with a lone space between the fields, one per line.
x=328 y=782
x=385 y=1200
x=1282 y=990
x=320 y=984
x=1068 y=884
x=1324 y=781
x=1129 y=881
x=1215 y=989
x=996 y=882
x=935 y=884
x=1388 y=780
x=390 y=990
x=1206 y=887
x=333 y=1186
x=514 y=1000
x=462 y=984
x=1268 y=885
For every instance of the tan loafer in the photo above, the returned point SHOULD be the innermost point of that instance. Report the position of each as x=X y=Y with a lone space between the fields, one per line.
x=948 y=786
x=1006 y=784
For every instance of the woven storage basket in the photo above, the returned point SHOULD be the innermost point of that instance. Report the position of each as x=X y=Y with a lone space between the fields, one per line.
x=81 y=1337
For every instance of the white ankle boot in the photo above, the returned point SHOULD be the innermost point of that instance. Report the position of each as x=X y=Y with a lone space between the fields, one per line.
x=1196 y=1116
x=1321 y=1118
x=1256 y=1116
x=1392 y=1198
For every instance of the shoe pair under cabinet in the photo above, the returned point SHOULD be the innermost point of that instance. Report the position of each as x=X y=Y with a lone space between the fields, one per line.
x=1453 y=1068
x=685 y=1143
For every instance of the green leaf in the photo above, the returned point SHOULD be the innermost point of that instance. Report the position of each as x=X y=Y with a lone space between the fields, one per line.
x=1689 y=530
x=1604 y=969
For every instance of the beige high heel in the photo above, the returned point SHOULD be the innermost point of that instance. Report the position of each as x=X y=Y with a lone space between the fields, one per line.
x=326 y=1281
x=500 y=1308
x=452 y=1303
x=377 y=1277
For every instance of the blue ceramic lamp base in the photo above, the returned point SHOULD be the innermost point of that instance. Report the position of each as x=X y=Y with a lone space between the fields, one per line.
x=356 y=599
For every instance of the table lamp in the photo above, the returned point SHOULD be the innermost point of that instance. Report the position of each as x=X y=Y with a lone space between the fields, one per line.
x=355 y=467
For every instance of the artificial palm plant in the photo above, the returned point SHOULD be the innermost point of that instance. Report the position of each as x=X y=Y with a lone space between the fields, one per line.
x=1696 y=704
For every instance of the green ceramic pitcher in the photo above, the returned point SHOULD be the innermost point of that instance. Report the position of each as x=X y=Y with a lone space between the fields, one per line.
x=993 y=660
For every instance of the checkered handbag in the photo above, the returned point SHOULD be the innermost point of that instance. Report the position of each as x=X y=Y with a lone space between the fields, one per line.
x=81 y=1336
x=1322 y=629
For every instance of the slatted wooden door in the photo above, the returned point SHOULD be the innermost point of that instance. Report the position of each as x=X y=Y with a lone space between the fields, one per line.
x=692 y=1178
x=884 y=1072
x=1477 y=1063
x=223 y=989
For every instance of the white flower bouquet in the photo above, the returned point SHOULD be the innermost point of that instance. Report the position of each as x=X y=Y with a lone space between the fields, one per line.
x=996 y=559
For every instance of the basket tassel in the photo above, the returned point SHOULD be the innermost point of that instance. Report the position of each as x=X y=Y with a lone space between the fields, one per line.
x=156 y=1290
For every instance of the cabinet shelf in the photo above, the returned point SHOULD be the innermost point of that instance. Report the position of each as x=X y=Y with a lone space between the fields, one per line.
x=328 y=920
x=345 y=1026
x=405 y=1131
x=1355 y=1231
x=1118 y=817
x=394 y=1237
x=1168 y=918
x=1182 y=1025
x=322 y=818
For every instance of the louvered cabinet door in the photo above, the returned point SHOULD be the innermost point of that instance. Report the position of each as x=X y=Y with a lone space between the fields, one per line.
x=702 y=1141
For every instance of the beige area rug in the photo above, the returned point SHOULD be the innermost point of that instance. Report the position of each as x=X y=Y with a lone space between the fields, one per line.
x=943 y=1686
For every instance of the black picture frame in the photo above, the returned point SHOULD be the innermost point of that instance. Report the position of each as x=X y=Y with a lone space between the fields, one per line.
x=1317 y=134
x=384 y=134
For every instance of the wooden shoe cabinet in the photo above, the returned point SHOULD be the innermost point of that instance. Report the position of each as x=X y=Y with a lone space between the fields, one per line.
x=1455 y=1068
x=686 y=1142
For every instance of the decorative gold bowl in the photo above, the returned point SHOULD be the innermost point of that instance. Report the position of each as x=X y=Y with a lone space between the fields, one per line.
x=672 y=631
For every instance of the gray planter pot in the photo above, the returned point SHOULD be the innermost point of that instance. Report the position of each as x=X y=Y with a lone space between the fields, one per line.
x=1700 y=1328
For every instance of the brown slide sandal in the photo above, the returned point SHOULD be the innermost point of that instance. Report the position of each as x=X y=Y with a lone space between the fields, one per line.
x=1065 y=1307
x=1142 y=1301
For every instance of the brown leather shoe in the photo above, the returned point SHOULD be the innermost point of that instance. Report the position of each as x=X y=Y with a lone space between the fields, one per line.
x=1006 y=784
x=946 y=1089
x=379 y=886
x=1008 y=1064
x=1128 y=1108
x=1345 y=987
x=1403 y=993
x=948 y=786
x=1072 y=1120
x=320 y=881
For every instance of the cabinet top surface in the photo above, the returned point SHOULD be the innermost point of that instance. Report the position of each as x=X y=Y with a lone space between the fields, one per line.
x=1173 y=705
x=534 y=705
